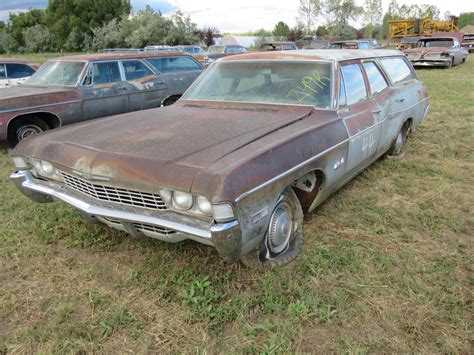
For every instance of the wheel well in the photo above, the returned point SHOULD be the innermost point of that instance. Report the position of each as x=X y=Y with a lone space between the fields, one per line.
x=409 y=121
x=51 y=120
x=171 y=97
x=307 y=188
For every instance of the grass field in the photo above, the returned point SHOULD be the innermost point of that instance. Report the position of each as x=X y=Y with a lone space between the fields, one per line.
x=387 y=265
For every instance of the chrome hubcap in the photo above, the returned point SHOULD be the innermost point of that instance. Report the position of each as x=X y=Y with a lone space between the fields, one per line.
x=280 y=229
x=399 y=143
x=26 y=131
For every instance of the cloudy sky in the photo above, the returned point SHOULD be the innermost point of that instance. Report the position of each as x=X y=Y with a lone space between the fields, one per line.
x=235 y=16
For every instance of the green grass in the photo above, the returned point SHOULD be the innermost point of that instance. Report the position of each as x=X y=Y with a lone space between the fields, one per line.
x=387 y=265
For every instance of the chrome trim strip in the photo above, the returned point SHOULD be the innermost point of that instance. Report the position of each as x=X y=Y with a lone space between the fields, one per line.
x=40 y=106
x=200 y=235
x=303 y=163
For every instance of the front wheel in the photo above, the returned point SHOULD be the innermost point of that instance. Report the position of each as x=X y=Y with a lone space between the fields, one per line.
x=398 y=147
x=283 y=239
x=24 y=128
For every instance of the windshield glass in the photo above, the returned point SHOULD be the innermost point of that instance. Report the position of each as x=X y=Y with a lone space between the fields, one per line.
x=63 y=73
x=216 y=49
x=435 y=43
x=307 y=83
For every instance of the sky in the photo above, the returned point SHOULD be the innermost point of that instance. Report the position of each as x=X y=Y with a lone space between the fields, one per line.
x=236 y=16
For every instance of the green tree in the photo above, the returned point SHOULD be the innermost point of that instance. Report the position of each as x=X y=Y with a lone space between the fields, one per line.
x=392 y=13
x=182 y=30
x=309 y=10
x=109 y=35
x=466 y=18
x=372 y=15
x=23 y=20
x=281 y=29
x=39 y=39
x=62 y=16
x=322 y=31
x=339 y=13
x=7 y=42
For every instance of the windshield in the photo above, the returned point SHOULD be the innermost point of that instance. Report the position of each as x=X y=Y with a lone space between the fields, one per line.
x=435 y=43
x=63 y=73
x=303 y=83
x=216 y=49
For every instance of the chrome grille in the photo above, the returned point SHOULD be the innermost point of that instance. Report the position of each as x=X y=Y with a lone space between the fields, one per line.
x=114 y=194
x=435 y=55
x=413 y=56
x=155 y=229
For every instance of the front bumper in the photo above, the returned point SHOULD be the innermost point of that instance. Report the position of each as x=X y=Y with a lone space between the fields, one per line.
x=431 y=63
x=225 y=237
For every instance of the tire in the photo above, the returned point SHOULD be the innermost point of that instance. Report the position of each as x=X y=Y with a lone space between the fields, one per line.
x=278 y=247
x=171 y=100
x=398 y=147
x=451 y=63
x=24 y=128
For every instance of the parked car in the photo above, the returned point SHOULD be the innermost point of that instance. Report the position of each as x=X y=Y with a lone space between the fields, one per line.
x=437 y=52
x=216 y=52
x=317 y=44
x=15 y=71
x=78 y=88
x=353 y=44
x=259 y=139
x=159 y=48
x=197 y=52
x=468 y=42
x=278 y=46
x=408 y=42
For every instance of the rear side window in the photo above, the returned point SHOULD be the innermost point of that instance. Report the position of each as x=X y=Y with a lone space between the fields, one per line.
x=135 y=69
x=363 y=45
x=2 y=71
x=397 y=69
x=107 y=72
x=376 y=80
x=174 y=64
x=18 y=71
x=354 y=83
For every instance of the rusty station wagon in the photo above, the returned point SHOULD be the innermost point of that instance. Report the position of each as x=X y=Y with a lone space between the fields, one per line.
x=256 y=141
x=78 y=88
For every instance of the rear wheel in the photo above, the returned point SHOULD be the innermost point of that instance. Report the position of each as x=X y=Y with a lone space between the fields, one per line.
x=283 y=239
x=170 y=100
x=398 y=147
x=23 y=128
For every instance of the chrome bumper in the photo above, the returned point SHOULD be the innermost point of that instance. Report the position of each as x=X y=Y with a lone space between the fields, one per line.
x=225 y=237
x=431 y=63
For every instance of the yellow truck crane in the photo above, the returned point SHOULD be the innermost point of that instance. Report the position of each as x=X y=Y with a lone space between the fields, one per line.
x=421 y=27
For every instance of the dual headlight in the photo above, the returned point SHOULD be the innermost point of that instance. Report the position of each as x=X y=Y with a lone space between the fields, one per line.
x=200 y=205
x=37 y=167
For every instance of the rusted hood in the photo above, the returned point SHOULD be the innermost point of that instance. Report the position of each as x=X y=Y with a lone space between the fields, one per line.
x=166 y=146
x=23 y=96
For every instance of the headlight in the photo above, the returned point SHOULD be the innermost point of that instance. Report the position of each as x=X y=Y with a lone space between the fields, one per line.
x=45 y=169
x=204 y=205
x=182 y=200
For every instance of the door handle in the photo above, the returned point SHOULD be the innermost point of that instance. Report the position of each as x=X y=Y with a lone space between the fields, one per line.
x=377 y=111
x=400 y=100
x=122 y=89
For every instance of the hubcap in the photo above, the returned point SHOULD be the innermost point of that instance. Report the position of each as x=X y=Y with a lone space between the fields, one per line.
x=280 y=229
x=26 y=131
x=399 y=143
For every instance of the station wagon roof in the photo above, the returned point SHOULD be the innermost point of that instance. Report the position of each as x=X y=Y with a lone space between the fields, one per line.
x=119 y=56
x=316 y=54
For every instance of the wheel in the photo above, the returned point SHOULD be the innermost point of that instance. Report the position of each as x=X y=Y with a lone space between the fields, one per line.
x=451 y=63
x=398 y=147
x=170 y=100
x=24 y=128
x=283 y=239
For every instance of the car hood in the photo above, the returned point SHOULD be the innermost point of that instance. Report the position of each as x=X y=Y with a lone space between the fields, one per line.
x=24 y=96
x=423 y=51
x=166 y=146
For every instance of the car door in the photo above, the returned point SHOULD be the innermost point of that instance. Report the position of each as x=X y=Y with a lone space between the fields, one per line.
x=146 y=88
x=357 y=111
x=103 y=90
x=179 y=72
x=18 y=73
x=380 y=94
x=3 y=77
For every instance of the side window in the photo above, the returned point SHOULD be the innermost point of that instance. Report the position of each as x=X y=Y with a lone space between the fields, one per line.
x=156 y=62
x=342 y=91
x=397 y=69
x=135 y=69
x=18 y=71
x=363 y=45
x=3 y=74
x=354 y=83
x=174 y=64
x=106 y=72
x=376 y=80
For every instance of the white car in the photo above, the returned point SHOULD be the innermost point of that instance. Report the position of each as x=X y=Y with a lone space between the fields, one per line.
x=14 y=72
